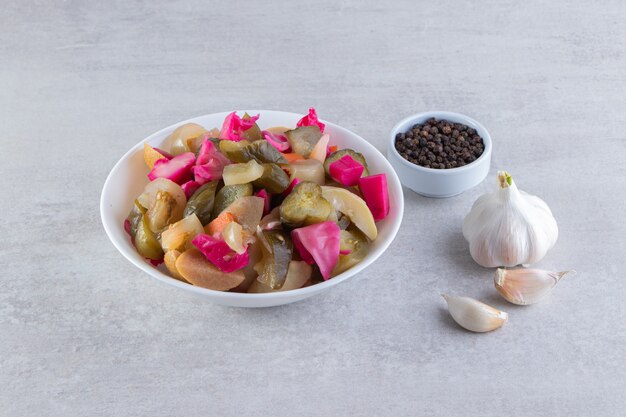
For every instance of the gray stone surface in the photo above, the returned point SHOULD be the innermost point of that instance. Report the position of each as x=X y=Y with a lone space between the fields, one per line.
x=83 y=332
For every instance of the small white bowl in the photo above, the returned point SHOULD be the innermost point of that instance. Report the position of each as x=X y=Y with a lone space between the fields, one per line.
x=128 y=178
x=440 y=183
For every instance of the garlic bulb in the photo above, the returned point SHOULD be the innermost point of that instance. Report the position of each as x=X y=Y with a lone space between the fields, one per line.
x=474 y=315
x=509 y=227
x=526 y=286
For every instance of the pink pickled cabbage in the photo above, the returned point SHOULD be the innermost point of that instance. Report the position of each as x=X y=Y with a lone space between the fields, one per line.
x=376 y=195
x=311 y=120
x=190 y=187
x=219 y=253
x=234 y=126
x=345 y=252
x=127 y=227
x=319 y=244
x=278 y=141
x=177 y=169
x=210 y=163
x=346 y=171
x=266 y=200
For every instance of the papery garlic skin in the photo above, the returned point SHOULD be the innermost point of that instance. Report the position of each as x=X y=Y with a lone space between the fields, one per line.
x=473 y=315
x=509 y=227
x=526 y=286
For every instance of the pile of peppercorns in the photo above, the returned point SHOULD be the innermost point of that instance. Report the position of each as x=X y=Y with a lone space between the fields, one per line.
x=440 y=144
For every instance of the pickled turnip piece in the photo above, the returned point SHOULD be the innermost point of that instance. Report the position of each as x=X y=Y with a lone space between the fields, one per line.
x=308 y=170
x=233 y=236
x=219 y=253
x=242 y=173
x=170 y=263
x=177 y=169
x=194 y=267
x=376 y=195
x=247 y=211
x=320 y=150
x=346 y=170
x=311 y=120
x=319 y=244
x=227 y=195
x=338 y=154
x=180 y=138
x=178 y=236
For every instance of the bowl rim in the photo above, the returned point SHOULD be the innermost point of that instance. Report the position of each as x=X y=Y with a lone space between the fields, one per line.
x=290 y=294
x=441 y=114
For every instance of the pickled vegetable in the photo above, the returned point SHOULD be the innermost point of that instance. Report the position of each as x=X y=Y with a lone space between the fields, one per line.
x=198 y=270
x=228 y=195
x=234 y=126
x=234 y=150
x=210 y=163
x=164 y=211
x=303 y=139
x=170 y=263
x=247 y=211
x=355 y=244
x=177 y=169
x=134 y=217
x=277 y=250
x=219 y=253
x=146 y=241
x=346 y=170
x=298 y=273
x=335 y=156
x=305 y=205
x=267 y=200
x=179 y=235
x=146 y=199
x=319 y=244
x=253 y=133
x=308 y=170
x=311 y=120
x=180 y=138
x=277 y=140
x=232 y=235
x=352 y=206
x=273 y=179
x=376 y=194
x=320 y=150
x=242 y=173
x=201 y=202
x=151 y=155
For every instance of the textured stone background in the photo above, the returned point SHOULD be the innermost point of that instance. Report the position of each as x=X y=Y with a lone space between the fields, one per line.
x=83 y=332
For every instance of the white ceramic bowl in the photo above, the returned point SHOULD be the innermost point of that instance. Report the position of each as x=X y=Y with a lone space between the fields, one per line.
x=128 y=178
x=440 y=183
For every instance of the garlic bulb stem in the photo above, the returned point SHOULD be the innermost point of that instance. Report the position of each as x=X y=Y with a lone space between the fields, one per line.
x=473 y=315
x=526 y=286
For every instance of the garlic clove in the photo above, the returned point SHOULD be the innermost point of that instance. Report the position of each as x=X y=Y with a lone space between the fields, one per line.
x=473 y=315
x=526 y=286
